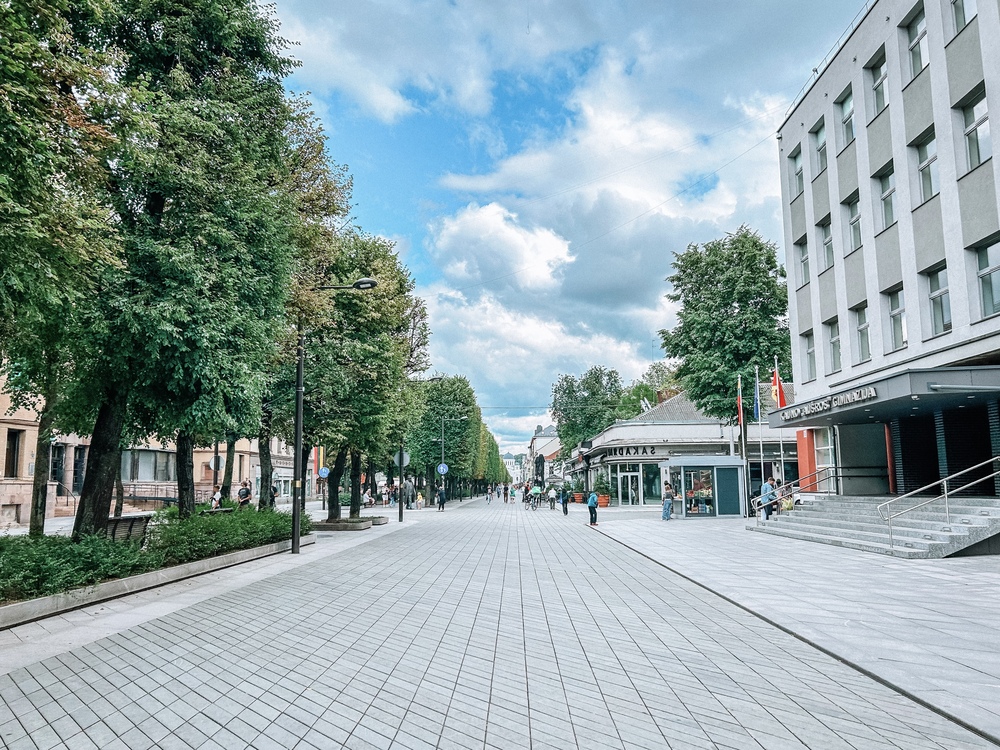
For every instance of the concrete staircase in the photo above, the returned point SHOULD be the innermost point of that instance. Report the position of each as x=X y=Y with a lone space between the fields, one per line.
x=854 y=522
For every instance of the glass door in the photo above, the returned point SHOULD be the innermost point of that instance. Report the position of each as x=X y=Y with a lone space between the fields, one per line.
x=699 y=492
x=629 y=491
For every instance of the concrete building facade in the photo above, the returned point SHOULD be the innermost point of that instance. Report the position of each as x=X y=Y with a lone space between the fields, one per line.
x=892 y=237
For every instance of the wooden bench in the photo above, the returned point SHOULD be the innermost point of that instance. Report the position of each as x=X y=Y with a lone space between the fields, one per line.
x=130 y=527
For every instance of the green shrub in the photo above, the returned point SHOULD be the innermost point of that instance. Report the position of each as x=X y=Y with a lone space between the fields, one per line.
x=31 y=568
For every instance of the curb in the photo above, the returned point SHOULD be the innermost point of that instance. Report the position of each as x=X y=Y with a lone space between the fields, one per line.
x=823 y=649
x=19 y=613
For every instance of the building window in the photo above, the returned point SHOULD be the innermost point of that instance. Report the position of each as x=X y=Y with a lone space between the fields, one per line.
x=887 y=192
x=927 y=168
x=819 y=136
x=12 y=458
x=879 y=71
x=962 y=11
x=989 y=278
x=897 y=319
x=977 y=132
x=847 y=116
x=798 y=182
x=826 y=460
x=826 y=237
x=809 y=360
x=864 y=343
x=916 y=31
x=833 y=341
x=854 y=223
x=940 y=304
x=803 y=253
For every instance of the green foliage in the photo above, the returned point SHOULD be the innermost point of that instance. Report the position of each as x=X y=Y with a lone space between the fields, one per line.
x=452 y=400
x=601 y=484
x=38 y=567
x=584 y=406
x=733 y=316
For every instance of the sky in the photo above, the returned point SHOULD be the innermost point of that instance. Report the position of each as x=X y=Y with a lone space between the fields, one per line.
x=538 y=163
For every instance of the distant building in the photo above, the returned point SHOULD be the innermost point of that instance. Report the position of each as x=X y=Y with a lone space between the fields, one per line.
x=542 y=458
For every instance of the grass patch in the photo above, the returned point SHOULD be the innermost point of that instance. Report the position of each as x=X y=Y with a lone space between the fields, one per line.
x=31 y=568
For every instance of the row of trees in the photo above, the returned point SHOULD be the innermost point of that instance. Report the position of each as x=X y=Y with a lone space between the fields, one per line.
x=732 y=317
x=168 y=214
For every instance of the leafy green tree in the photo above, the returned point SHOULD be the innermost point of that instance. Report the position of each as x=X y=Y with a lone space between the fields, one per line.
x=584 y=406
x=182 y=332
x=659 y=378
x=733 y=316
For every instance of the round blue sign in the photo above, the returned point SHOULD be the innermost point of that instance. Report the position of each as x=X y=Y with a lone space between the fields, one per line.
x=442 y=469
x=324 y=473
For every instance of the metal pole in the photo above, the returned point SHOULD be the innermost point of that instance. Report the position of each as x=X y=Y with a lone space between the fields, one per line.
x=399 y=492
x=215 y=467
x=297 y=488
x=947 y=510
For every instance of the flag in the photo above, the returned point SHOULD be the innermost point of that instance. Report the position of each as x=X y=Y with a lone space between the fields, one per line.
x=777 y=392
x=756 y=394
x=739 y=400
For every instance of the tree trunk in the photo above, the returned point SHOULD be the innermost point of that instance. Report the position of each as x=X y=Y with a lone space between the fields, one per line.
x=95 y=497
x=119 y=489
x=333 y=485
x=43 y=454
x=227 y=475
x=185 y=475
x=266 y=499
x=355 y=483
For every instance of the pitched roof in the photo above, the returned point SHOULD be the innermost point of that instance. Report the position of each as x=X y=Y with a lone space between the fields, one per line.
x=680 y=408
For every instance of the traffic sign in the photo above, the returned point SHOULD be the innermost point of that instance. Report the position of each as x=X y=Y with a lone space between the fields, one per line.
x=324 y=472
x=406 y=459
x=215 y=463
x=442 y=469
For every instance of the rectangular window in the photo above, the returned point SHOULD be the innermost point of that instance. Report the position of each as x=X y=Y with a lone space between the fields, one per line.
x=12 y=458
x=824 y=442
x=809 y=361
x=854 y=223
x=826 y=237
x=897 y=319
x=864 y=343
x=962 y=11
x=887 y=192
x=927 y=167
x=820 y=137
x=989 y=278
x=977 y=132
x=916 y=31
x=803 y=253
x=798 y=182
x=940 y=304
x=879 y=73
x=847 y=116
x=833 y=341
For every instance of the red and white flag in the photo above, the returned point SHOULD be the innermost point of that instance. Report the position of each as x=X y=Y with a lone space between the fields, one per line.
x=739 y=399
x=777 y=392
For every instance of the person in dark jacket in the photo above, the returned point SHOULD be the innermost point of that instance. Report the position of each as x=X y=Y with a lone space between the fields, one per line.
x=592 y=507
x=441 y=497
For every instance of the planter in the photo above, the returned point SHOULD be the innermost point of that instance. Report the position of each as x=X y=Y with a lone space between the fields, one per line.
x=577 y=497
x=603 y=501
x=377 y=520
x=358 y=524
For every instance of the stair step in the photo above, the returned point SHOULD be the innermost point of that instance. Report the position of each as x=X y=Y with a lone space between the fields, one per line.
x=880 y=536
x=936 y=533
x=880 y=548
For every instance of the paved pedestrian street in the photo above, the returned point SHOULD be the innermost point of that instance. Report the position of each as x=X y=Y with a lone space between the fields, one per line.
x=480 y=627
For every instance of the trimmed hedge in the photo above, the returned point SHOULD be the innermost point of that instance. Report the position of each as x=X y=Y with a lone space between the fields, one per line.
x=30 y=568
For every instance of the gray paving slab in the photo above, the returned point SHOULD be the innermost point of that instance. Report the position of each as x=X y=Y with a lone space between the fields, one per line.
x=480 y=627
x=928 y=626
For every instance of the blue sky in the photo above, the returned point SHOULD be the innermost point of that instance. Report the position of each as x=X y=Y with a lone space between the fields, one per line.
x=539 y=163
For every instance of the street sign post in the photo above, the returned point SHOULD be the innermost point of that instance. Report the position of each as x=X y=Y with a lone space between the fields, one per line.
x=324 y=472
x=406 y=459
x=442 y=469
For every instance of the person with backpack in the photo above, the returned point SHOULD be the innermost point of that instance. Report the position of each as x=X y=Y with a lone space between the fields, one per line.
x=592 y=507
x=244 y=495
x=564 y=499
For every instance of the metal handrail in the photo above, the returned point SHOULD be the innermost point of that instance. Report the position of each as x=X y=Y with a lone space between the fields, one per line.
x=887 y=515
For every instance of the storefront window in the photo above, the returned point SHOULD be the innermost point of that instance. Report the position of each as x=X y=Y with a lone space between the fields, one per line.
x=699 y=492
x=826 y=460
x=651 y=484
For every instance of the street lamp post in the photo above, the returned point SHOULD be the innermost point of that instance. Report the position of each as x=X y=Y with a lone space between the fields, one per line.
x=298 y=486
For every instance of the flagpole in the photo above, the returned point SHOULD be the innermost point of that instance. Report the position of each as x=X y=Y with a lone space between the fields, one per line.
x=781 y=432
x=743 y=442
x=760 y=428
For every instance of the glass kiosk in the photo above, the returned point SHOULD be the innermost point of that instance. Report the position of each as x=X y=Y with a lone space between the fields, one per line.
x=706 y=486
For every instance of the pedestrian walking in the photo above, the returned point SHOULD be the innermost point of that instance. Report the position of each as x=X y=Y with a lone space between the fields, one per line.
x=592 y=507
x=552 y=498
x=668 y=502
x=244 y=495
x=275 y=494
x=489 y=494
x=440 y=497
x=767 y=495
x=506 y=492
x=564 y=499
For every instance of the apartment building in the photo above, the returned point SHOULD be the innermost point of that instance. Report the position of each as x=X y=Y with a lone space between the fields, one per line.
x=892 y=237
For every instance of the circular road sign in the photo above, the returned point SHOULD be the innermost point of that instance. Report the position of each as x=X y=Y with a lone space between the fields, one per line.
x=324 y=472
x=442 y=469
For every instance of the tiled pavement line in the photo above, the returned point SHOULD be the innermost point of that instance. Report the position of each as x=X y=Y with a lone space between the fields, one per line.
x=286 y=673
x=792 y=631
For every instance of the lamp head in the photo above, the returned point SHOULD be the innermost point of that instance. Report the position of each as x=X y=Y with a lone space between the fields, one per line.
x=365 y=284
